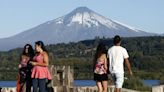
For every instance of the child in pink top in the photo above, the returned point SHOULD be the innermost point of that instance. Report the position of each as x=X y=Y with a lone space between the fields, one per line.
x=100 y=68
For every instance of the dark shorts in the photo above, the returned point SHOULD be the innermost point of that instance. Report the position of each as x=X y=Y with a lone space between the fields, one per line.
x=100 y=77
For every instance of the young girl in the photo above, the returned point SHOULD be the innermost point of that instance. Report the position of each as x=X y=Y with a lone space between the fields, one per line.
x=100 y=68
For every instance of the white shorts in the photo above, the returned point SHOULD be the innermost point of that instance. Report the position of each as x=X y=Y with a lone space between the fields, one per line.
x=118 y=79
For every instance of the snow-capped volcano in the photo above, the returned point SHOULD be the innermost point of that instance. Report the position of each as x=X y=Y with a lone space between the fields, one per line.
x=80 y=24
x=89 y=18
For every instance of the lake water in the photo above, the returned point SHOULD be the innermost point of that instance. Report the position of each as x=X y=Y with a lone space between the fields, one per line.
x=78 y=83
x=151 y=82
x=92 y=83
x=7 y=83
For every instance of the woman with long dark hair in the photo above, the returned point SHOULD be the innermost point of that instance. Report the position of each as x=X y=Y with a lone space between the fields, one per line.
x=24 y=77
x=40 y=72
x=100 y=68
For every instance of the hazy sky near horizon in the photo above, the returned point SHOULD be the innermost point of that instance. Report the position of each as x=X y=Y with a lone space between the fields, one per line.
x=20 y=15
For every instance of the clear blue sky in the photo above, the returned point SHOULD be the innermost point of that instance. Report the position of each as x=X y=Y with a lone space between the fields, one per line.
x=19 y=15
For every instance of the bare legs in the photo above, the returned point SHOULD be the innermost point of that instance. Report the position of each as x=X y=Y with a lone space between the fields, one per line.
x=102 y=86
x=99 y=85
x=117 y=90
